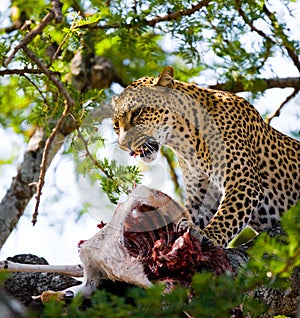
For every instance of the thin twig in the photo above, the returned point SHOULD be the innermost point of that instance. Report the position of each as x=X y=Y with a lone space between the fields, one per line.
x=250 y=24
x=57 y=52
x=31 y=35
x=284 y=39
x=48 y=144
x=88 y=153
x=50 y=75
x=86 y=148
x=96 y=162
x=77 y=7
x=278 y=110
x=69 y=104
x=37 y=88
x=19 y=71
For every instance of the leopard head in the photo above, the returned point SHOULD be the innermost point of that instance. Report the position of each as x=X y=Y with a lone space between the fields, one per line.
x=141 y=115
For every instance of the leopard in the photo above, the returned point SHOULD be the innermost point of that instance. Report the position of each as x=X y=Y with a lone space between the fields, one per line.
x=237 y=169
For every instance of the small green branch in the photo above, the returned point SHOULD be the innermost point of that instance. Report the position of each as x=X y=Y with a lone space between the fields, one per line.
x=116 y=179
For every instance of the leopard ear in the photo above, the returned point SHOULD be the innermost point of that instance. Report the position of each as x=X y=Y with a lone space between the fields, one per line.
x=113 y=101
x=166 y=77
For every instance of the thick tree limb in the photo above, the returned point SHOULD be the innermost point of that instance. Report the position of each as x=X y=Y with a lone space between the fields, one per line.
x=264 y=84
x=23 y=185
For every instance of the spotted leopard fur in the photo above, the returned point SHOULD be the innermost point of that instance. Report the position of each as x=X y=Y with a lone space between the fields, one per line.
x=237 y=170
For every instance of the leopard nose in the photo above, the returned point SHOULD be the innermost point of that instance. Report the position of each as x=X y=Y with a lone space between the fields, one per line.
x=125 y=147
x=125 y=141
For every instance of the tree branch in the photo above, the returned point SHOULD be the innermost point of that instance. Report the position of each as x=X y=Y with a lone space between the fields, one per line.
x=264 y=83
x=31 y=174
x=37 y=88
x=54 y=13
x=35 y=161
x=285 y=42
x=50 y=75
x=69 y=104
x=177 y=14
x=250 y=24
x=23 y=71
x=278 y=110
x=23 y=185
x=155 y=20
x=21 y=190
x=31 y=35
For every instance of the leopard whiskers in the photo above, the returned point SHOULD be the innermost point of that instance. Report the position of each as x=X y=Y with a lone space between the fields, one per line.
x=143 y=151
x=150 y=147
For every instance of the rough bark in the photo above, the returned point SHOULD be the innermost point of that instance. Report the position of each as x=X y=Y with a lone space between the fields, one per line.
x=23 y=185
x=264 y=83
x=22 y=286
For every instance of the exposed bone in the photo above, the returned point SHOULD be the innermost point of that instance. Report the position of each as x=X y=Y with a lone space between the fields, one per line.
x=70 y=270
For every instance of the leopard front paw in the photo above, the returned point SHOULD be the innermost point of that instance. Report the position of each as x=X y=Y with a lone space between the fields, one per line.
x=202 y=238
x=184 y=224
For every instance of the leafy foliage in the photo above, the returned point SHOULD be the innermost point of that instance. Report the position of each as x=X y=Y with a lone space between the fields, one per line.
x=116 y=180
x=113 y=178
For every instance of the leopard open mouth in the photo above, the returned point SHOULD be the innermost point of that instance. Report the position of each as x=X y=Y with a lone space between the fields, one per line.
x=147 y=151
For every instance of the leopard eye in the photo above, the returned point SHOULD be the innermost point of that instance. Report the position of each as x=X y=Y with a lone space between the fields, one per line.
x=116 y=126
x=136 y=113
